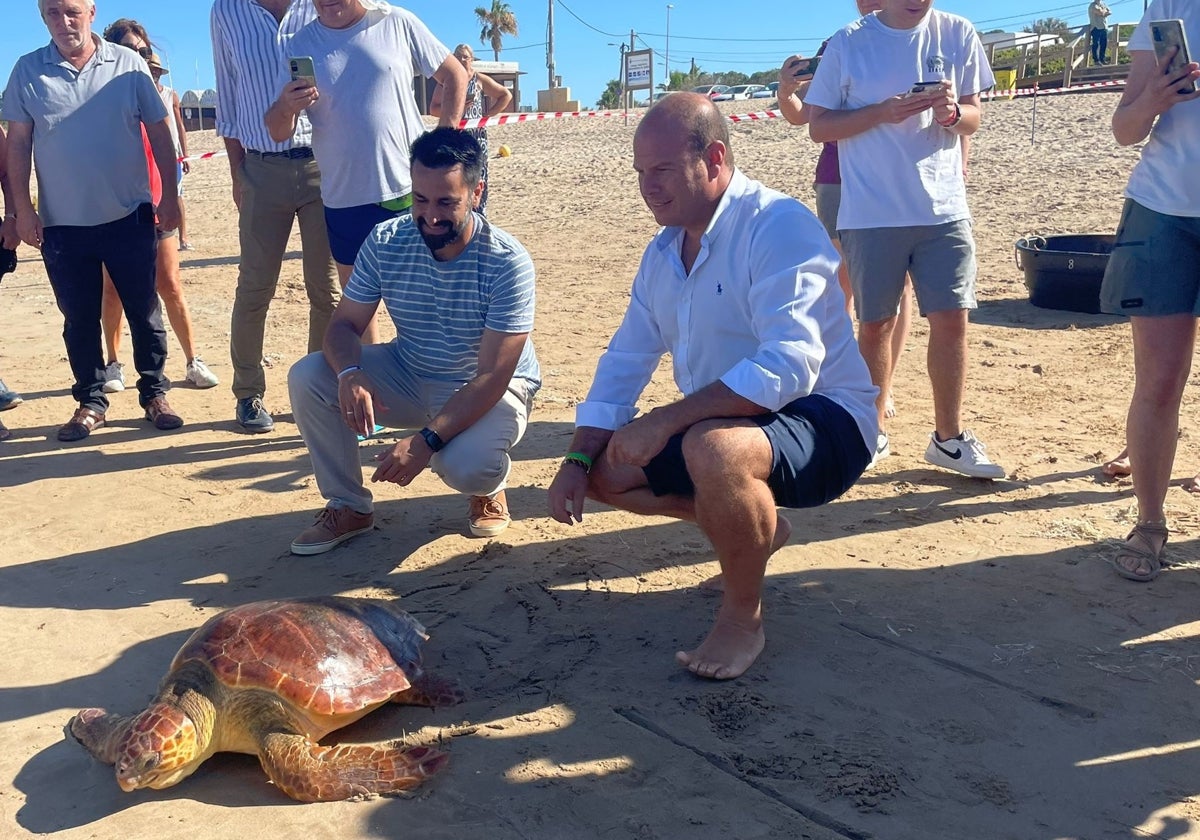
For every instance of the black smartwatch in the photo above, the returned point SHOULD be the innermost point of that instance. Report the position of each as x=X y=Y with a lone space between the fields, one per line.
x=432 y=439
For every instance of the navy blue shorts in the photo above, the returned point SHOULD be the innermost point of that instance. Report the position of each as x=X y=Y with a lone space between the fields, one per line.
x=817 y=453
x=349 y=228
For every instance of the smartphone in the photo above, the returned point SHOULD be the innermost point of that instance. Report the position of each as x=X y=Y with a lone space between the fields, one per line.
x=302 y=70
x=1168 y=34
x=922 y=87
x=808 y=67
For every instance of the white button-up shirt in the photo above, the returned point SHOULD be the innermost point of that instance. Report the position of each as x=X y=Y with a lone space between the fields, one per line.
x=761 y=311
x=250 y=53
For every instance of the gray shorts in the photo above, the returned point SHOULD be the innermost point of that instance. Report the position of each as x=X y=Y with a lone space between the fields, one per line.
x=1154 y=269
x=829 y=201
x=939 y=258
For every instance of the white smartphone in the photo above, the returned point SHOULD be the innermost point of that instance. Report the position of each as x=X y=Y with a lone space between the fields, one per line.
x=1167 y=35
x=301 y=67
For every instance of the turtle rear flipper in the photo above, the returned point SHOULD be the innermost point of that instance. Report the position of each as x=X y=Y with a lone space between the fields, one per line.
x=310 y=772
x=430 y=690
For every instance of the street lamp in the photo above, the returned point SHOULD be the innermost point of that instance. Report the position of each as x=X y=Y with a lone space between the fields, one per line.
x=667 y=52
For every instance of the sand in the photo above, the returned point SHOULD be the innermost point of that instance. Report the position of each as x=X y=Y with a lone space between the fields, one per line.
x=946 y=658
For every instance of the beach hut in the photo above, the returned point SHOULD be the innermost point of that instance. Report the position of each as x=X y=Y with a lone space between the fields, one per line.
x=199 y=109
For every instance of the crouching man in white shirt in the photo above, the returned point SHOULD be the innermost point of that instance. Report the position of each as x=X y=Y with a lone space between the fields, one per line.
x=740 y=286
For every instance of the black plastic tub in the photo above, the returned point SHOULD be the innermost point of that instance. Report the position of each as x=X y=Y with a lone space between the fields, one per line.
x=1065 y=272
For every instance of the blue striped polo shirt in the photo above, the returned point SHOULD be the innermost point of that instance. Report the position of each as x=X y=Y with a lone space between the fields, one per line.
x=441 y=309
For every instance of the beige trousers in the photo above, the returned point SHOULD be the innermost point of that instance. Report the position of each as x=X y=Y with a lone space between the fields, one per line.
x=276 y=191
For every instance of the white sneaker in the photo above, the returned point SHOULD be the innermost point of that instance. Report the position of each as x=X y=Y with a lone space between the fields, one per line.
x=964 y=454
x=883 y=448
x=114 y=377
x=199 y=375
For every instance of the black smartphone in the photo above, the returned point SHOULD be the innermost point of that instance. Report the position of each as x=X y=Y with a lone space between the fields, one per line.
x=1167 y=35
x=302 y=70
x=807 y=67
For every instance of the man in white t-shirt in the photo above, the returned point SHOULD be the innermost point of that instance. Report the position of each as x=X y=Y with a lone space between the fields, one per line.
x=897 y=90
x=363 y=114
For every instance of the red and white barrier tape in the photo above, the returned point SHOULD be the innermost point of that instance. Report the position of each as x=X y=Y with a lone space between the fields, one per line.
x=755 y=116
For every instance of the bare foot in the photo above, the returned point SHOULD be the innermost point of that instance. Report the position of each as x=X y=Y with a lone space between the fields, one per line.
x=1192 y=485
x=715 y=585
x=889 y=407
x=730 y=648
x=1118 y=467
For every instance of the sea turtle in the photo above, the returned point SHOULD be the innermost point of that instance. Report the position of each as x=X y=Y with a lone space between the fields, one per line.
x=271 y=679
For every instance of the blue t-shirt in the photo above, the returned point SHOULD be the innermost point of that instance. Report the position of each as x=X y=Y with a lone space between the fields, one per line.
x=441 y=309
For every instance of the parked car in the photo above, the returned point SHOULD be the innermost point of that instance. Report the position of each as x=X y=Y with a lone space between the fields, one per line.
x=711 y=91
x=661 y=94
x=766 y=93
x=738 y=92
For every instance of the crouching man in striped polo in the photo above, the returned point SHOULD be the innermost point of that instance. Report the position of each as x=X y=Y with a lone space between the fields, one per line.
x=462 y=369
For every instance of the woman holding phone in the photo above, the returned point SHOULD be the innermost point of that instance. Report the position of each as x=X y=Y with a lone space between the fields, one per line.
x=1153 y=275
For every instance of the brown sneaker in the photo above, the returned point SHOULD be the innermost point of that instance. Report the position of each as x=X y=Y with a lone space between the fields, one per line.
x=81 y=424
x=489 y=515
x=333 y=526
x=160 y=413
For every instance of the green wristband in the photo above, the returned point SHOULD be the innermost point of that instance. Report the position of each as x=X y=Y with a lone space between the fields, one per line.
x=580 y=459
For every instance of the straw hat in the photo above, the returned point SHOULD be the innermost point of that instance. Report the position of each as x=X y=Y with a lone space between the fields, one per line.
x=155 y=63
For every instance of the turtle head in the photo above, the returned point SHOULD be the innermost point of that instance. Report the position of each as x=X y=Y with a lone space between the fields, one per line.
x=160 y=749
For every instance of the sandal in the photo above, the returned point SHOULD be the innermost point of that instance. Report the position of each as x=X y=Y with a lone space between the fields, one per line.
x=81 y=424
x=1143 y=552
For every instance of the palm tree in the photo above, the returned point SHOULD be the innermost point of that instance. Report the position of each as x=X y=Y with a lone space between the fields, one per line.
x=497 y=23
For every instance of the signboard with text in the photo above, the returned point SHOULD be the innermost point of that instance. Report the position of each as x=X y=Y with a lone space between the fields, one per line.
x=638 y=73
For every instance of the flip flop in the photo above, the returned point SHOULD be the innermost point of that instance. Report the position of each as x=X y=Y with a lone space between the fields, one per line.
x=1142 y=551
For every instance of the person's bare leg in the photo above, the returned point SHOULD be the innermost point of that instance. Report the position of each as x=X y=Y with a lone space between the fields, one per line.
x=1117 y=467
x=1162 y=360
x=371 y=334
x=844 y=279
x=947 y=363
x=170 y=288
x=875 y=344
x=899 y=338
x=110 y=319
x=182 y=222
x=729 y=462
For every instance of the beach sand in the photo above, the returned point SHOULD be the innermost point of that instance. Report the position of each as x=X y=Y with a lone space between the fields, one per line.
x=946 y=658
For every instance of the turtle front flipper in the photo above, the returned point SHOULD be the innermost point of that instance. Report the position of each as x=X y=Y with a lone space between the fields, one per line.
x=100 y=733
x=309 y=772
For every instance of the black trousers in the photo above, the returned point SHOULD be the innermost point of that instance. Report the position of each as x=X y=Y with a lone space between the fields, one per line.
x=74 y=257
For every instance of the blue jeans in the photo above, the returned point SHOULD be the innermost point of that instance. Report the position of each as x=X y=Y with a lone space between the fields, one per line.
x=74 y=257
x=1099 y=46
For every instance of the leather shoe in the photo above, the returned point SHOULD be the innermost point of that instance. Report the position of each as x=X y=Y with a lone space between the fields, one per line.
x=81 y=424
x=160 y=413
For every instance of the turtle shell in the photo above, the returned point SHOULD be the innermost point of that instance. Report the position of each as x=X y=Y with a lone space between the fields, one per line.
x=329 y=655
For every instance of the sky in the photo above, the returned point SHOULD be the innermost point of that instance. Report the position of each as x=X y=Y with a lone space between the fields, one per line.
x=719 y=35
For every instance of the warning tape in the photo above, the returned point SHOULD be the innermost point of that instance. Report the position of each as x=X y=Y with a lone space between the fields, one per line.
x=755 y=116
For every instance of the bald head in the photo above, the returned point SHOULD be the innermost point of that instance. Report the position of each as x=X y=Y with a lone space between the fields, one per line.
x=691 y=116
x=681 y=154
